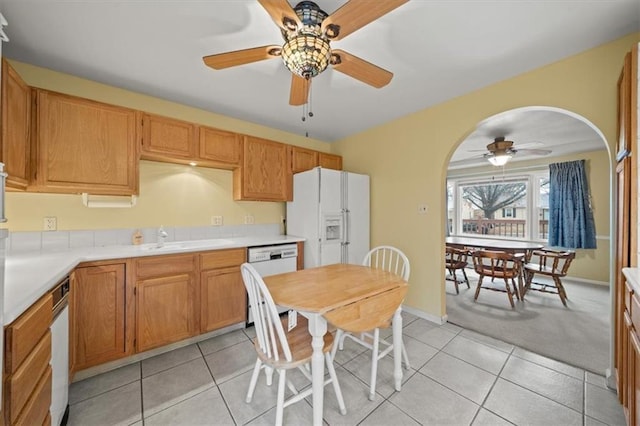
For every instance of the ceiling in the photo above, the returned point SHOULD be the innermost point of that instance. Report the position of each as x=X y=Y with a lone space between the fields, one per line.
x=437 y=50
x=528 y=128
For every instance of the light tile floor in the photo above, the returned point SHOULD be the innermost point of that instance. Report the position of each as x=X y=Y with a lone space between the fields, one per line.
x=457 y=377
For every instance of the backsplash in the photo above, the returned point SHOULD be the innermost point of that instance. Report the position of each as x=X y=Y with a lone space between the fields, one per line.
x=19 y=242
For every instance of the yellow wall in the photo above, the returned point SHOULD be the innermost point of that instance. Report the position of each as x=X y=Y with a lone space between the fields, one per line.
x=592 y=264
x=406 y=159
x=171 y=195
x=413 y=169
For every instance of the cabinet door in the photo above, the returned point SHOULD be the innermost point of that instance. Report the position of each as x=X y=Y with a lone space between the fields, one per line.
x=223 y=298
x=264 y=175
x=166 y=139
x=303 y=159
x=633 y=374
x=85 y=146
x=222 y=148
x=165 y=311
x=330 y=161
x=99 y=316
x=16 y=126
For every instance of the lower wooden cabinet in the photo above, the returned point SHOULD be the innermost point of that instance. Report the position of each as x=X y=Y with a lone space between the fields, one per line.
x=629 y=356
x=166 y=295
x=98 y=306
x=125 y=306
x=27 y=373
x=223 y=298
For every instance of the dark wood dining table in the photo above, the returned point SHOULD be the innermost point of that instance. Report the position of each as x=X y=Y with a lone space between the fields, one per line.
x=314 y=292
x=524 y=248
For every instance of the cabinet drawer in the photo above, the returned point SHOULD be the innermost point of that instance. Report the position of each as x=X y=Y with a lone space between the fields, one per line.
x=628 y=291
x=21 y=384
x=635 y=311
x=25 y=332
x=222 y=258
x=165 y=265
x=37 y=409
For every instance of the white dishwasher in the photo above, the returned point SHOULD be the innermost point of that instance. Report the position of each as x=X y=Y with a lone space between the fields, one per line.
x=60 y=354
x=272 y=260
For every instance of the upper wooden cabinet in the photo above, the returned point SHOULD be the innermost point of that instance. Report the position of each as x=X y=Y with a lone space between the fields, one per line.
x=330 y=161
x=223 y=149
x=167 y=139
x=265 y=174
x=306 y=159
x=16 y=128
x=627 y=345
x=303 y=159
x=85 y=146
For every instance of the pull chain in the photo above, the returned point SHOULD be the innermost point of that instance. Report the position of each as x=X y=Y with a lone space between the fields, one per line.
x=306 y=110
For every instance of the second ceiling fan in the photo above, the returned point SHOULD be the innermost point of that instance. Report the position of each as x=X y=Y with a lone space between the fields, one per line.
x=307 y=32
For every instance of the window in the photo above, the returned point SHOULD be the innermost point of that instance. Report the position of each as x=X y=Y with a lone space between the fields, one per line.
x=514 y=207
x=510 y=212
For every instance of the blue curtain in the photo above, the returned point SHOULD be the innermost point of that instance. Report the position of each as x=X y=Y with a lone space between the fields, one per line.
x=571 y=223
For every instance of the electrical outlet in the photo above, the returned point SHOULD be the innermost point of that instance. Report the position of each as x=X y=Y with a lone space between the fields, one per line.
x=249 y=219
x=216 y=220
x=50 y=223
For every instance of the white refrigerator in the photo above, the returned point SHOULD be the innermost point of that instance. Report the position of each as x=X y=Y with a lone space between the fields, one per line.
x=330 y=208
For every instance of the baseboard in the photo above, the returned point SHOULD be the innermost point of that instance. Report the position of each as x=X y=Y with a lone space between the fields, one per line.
x=586 y=281
x=421 y=314
x=112 y=365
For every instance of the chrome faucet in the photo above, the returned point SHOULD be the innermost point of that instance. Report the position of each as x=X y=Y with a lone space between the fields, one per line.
x=162 y=235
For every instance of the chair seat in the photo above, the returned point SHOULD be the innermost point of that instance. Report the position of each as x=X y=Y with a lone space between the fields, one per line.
x=499 y=272
x=456 y=265
x=299 y=343
x=551 y=263
x=501 y=265
x=540 y=269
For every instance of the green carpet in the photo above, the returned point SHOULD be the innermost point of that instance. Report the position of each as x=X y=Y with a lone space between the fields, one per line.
x=577 y=335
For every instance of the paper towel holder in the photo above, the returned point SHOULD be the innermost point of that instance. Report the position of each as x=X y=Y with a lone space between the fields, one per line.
x=108 y=201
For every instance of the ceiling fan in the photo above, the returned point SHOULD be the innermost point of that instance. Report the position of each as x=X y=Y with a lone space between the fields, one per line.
x=500 y=151
x=307 y=32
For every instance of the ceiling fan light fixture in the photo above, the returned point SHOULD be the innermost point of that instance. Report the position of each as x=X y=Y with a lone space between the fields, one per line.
x=306 y=55
x=499 y=159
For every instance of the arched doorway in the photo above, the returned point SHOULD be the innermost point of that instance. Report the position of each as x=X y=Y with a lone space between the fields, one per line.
x=552 y=135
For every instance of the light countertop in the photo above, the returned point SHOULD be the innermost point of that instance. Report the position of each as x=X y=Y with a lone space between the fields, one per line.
x=28 y=276
x=633 y=277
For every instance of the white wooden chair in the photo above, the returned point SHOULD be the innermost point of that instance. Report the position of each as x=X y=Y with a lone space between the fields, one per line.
x=393 y=260
x=282 y=350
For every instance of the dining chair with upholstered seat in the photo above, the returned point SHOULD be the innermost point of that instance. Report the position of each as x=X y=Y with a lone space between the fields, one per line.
x=392 y=260
x=550 y=263
x=497 y=265
x=456 y=260
x=282 y=350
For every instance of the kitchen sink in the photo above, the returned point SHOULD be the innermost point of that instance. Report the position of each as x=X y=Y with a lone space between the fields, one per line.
x=178 y=245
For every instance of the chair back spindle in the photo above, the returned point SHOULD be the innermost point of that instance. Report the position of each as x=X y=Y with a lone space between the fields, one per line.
x=390 y=259
x=270 y=334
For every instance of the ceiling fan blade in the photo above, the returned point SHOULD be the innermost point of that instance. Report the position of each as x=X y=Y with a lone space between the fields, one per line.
x=241 y=57
x=282 y=13
x=534 y=151
x=355 y=14
x=360 y=69
x=299 y=90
